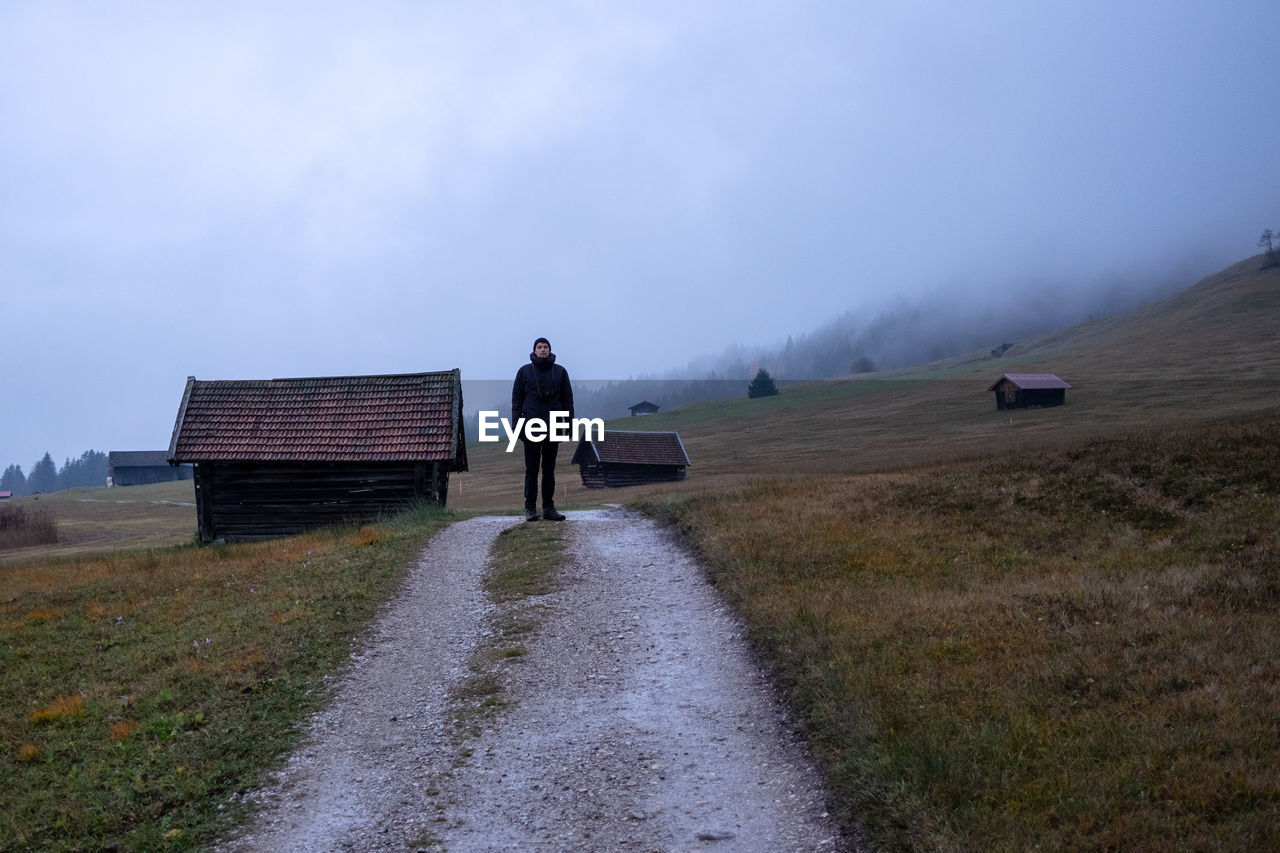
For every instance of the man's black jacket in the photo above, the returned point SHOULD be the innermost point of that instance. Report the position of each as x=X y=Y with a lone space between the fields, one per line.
x=541 y=387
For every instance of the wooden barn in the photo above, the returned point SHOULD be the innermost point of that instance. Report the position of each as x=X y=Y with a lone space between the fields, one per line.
x=644 y=407
x=142 y=468
x=279 y=456
x=1020 y=390
x=626 y=458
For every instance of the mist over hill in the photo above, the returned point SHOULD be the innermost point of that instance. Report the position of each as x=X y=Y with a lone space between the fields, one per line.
x=910 y=331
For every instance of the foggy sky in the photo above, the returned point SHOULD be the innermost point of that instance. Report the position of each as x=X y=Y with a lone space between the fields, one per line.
x=247 y=190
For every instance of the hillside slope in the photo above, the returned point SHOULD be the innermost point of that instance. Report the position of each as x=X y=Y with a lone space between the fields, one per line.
x=1207 y=353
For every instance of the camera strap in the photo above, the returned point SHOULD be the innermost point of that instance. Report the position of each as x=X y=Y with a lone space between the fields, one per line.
x=542 y=396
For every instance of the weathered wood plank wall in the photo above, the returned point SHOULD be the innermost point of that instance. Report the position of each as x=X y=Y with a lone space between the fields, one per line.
x=613 y=474
x=238 y=501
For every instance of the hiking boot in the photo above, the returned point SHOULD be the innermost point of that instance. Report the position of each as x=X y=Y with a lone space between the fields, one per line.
x=530 y=515
x=550 y=514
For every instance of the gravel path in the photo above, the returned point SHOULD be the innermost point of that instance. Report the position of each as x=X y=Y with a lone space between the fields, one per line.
x=638 y=721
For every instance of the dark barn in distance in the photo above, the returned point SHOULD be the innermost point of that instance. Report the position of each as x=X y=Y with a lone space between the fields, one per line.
x=626 y=458
x=1020 y=390
x=644 y=407
x=142 y=468
x=275 y=457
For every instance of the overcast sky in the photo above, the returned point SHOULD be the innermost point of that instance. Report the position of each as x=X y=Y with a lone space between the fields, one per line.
x=256 y=190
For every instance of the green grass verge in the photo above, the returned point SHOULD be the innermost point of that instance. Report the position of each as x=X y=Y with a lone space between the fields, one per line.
x=522 y=566
x=1071 y=649
x=140 y=691
x=523 y=561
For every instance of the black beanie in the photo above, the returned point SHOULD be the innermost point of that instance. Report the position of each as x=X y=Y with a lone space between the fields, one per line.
x=542 y=341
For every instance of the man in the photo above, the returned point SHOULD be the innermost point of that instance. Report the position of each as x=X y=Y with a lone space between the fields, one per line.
x=541 y=387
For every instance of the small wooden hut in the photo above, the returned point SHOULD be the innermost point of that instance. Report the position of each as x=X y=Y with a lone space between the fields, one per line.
x=629 y=458
x=142 y=468
x=644 y=407
x=1020 y=390
x=280 y=456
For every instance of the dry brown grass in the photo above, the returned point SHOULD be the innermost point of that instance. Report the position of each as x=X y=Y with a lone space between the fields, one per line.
x=93 y=520
x=1057 y=650
x=368 y=535
x=61 y=708
x=23 y=525
x=122 y=730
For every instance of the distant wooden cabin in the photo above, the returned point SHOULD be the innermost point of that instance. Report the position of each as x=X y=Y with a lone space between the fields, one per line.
x=280 y=456
x=644 y=407
x=5 y=495
x=627 y=458
x=143 y=467
x=1020 y=390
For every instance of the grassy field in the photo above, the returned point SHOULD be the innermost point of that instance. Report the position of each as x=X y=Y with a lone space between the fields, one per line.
x=1050 y=629
x=1059 y=651
x=94 y=520
x=142 y=690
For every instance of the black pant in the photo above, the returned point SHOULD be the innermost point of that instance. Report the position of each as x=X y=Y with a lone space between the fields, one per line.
x=544 y=453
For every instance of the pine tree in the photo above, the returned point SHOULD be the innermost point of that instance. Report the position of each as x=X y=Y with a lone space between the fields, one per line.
x=13 y=480
x=762 y=385
x=95 y=467
x=43 y=476
x=89 y=470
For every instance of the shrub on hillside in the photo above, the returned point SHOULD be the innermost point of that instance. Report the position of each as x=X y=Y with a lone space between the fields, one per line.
x=762 y=385
x=21 y=525
x=1267 y=242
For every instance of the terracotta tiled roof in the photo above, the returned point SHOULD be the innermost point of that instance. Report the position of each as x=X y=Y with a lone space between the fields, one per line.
x=1029 y=381
x=635 y=448
x=414 y=417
